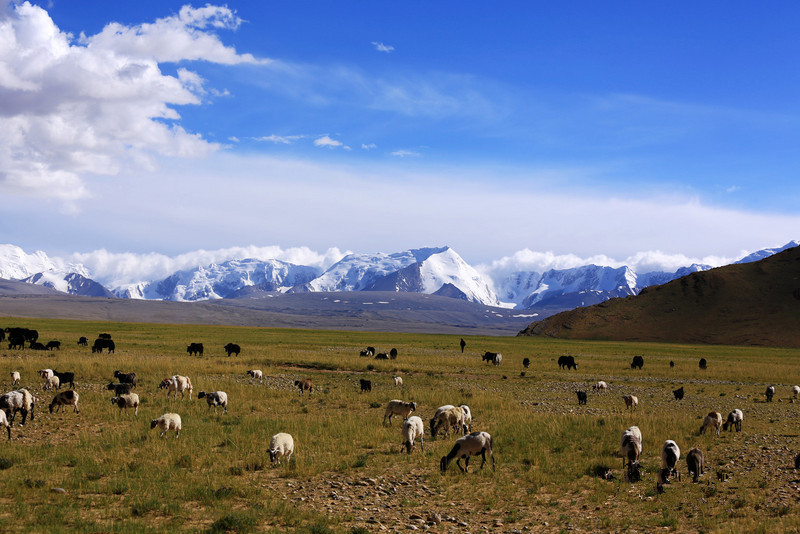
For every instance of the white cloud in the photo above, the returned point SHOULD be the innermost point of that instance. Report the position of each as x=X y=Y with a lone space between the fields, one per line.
x=380 y=47
x=71 y=109
x=406 y=154
x=279 y=139
x=370 y=146
x=328 y=142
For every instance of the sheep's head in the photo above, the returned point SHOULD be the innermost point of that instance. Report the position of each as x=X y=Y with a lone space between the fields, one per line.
x=273 y=453
x=114 y=400
x=201 y=395
x=153 y=423
x=413 y=406
x=164 y=383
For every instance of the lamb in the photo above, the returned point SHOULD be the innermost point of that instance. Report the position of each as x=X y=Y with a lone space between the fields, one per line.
x=215 y=398
x=398 y=407
x=52 y=383
x=466 y=446
x=131 y=400
x=66 y=398
x=795 y=391
x=631 y=401
x=452 y=418
x=712 y=420
x=119 y=389
x=168 y=421
x=735 y=419
x=177 y=384
x=304 y=385
x=398 y=381
x=770 y=392
x=281 y=445
x=600 y=386
x=256 y=374
x=435 y=417
x=670 y=454
x=126 y=378
x=695 y=461
x=17 y=401
x=15 y=378
x=413 y=429
x=631 y=448
x=5 y=423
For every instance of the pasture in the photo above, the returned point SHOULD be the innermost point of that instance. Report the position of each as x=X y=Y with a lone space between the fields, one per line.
x=348 y=473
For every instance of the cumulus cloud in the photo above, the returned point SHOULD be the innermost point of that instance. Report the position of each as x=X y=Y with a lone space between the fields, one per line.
x=116 y=269
x=328 y=142
x=71 y=107
x=380 y=47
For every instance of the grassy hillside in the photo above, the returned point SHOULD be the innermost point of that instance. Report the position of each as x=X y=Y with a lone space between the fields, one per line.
x=749 y=304
x=349 y=474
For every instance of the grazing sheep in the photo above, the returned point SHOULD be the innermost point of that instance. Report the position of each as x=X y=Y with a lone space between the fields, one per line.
x=15 y=378
x=119 y=389
x=215 y=398
x=637 y=362
x=84 y=341
x=703 y=365
x=712 y=420
x=695 y=461
x=131 y=400
x=582 y=397
x=177 y=384
x=770 y=392
x=65 y=378
x=735 y=419
x=232 y=348
x=631 y=401
x=17 y=401
x=671 y=364
x=452 y=418
x=52 y=383
x=281 y=446
x=125 y=378
x=670 y=454
x=304 y=385
x=631 y=448
x=46 y=373
x=467 y=416
x=53 y=345
x=5 y=423
x=66 y=398
x=366 y=385
x=168 y=421
x=795 y=391
x=568 y=362
x=413 y=429
x=466 y=446
x=600 y=386
x=393 y=354
x=398 y=407
x=435 y=417
x=398 y=381
x=382 y=356
x=678 y=393
x=365 y=353
x=256 y=374
x=526 y=362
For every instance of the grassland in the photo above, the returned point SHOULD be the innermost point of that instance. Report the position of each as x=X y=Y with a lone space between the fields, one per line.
x=348 y=474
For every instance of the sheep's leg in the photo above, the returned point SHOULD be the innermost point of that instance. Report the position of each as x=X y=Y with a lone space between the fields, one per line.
x=8 y=427
x=162 y=433
x=458 y=463
x=422 y=443
x=483 y=457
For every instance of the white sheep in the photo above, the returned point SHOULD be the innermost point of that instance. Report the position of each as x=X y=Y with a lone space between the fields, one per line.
x=398 y=382
x=281 y=446
x=398 y=407
x=795 y=391
x=497 y=360
x=66 y=398
x=131 y=400
x=52 y=382
x=735 y=419
x=177 y=384
x=712 y=420
x=600 y=386
x=15 y=378
x=215 y=398
x=670 y=454
x=631 y=449
x=435 y=417
x=168 y=421
x=631 y=401
x=413 y=429
x=466 y=446
x=256 y=374
x=451 y=418
x=5 y=423
x=46 y=373
x=467 y=417
x=20 y=400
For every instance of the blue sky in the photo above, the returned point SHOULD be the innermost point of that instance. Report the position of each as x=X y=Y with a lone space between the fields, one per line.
x=574 y=128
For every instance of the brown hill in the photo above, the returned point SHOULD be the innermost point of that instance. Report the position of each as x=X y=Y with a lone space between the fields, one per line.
x=743 y=304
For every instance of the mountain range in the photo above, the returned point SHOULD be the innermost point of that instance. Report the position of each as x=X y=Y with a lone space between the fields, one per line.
x=436 y=271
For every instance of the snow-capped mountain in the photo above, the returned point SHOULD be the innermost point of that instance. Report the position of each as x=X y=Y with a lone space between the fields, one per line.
x=767 y=252
x=222 y=281
x=72 y=283
x=15 y=264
